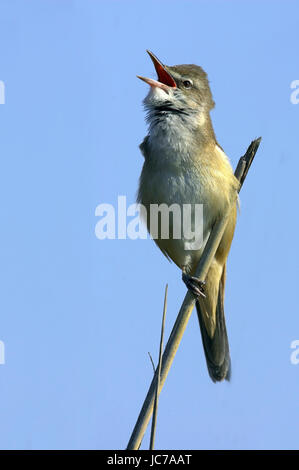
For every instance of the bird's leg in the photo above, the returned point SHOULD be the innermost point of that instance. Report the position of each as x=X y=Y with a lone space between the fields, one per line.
x=195 y=285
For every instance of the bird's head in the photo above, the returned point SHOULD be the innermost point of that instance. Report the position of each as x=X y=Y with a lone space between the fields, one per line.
x=181 y=88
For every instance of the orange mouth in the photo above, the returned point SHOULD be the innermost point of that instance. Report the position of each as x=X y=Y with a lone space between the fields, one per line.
x=165 y=80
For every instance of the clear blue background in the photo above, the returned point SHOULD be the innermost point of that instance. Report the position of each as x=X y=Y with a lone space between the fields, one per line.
x=79 y=315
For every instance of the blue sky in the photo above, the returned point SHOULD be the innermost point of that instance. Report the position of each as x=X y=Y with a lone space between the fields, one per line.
x=78 y=314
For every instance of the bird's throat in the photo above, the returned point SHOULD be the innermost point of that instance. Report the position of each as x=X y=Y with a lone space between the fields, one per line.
x=178 y=132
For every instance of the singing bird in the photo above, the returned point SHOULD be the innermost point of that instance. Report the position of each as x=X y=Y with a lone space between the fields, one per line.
x=184 y=164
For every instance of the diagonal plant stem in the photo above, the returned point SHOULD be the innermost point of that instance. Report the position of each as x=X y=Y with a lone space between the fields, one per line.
x=187 y=306
x=154 y=420
x=151 y=359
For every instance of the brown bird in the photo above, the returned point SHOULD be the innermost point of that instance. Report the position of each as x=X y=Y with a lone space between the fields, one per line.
x=184 y=165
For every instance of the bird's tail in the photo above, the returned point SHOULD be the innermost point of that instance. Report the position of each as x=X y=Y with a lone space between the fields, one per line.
x=215 y=344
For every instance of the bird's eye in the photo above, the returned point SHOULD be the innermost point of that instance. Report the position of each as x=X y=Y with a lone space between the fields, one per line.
x=187 y=83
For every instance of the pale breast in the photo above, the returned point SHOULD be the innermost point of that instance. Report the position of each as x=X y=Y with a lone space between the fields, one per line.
x=174 y=173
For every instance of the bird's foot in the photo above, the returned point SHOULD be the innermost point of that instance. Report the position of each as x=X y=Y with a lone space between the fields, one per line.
x=195 y=285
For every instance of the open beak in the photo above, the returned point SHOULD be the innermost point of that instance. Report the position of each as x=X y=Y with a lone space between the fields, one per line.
x=165 y=80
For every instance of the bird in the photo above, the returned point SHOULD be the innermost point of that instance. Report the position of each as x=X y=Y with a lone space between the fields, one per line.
x=185 y=165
